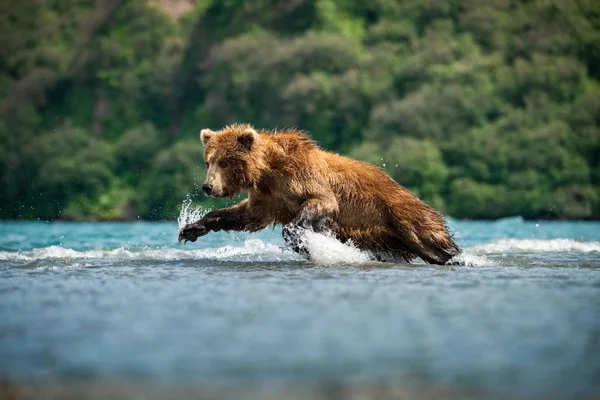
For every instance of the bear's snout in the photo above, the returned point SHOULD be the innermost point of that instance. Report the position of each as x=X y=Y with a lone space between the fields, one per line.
x=207 y=189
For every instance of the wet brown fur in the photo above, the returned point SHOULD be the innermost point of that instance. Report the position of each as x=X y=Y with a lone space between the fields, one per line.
x=289 y=179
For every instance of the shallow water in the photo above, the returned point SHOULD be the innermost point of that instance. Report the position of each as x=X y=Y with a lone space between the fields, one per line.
x=125 y=301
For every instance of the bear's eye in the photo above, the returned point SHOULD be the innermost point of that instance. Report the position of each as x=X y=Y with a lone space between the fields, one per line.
x=223 y=164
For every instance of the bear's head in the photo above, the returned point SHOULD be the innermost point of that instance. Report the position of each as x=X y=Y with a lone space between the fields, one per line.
x=234 y=159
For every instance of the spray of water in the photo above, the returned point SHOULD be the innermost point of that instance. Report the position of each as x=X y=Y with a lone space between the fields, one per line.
x=189 y=213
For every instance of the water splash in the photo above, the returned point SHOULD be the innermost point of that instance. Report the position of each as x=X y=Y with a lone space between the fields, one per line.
x=325 y=249
x=190 y=213
x=471 y=260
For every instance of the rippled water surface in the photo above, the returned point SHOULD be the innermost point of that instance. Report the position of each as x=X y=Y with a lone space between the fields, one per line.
x=101 y=300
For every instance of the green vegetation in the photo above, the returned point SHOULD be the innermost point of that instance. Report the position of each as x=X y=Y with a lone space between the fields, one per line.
x=484 y=109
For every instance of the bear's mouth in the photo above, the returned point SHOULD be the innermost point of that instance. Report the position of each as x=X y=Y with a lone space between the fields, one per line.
x=222 y=195
x=225 y=194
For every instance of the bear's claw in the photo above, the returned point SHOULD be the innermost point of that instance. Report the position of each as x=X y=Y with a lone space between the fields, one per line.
x=191 y=232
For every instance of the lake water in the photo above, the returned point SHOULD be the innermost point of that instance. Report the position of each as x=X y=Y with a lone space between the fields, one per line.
x=124 y=302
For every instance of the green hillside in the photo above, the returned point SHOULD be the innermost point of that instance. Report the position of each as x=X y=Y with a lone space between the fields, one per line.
x=485 y=109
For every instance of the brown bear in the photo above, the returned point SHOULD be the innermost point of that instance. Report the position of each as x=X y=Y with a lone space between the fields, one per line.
x=291 y=181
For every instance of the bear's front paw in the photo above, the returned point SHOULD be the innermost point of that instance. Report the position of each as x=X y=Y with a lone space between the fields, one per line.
x=191 y=232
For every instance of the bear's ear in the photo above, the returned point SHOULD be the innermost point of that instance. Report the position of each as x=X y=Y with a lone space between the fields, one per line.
x=205 y=135
x=248 y=138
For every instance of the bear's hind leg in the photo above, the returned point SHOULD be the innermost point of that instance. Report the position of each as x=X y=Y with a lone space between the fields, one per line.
x=437 y=252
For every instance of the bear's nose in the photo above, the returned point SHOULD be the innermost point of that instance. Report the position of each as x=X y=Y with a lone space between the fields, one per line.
x=207 y=189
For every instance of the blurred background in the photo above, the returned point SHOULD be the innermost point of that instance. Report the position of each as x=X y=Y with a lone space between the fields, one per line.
x=484 y=108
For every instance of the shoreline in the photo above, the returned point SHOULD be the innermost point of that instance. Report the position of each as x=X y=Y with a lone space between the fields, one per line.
x=399 y=388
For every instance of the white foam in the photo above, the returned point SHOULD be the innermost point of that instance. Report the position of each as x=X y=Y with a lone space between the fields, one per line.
x=251 y=250
x=504 y=246
x=58 y=252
